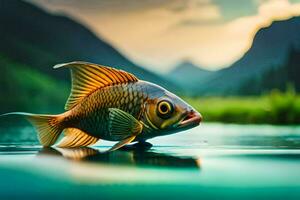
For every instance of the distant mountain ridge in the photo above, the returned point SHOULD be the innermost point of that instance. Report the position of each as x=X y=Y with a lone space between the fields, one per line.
x=40 y=40
x=270 y=50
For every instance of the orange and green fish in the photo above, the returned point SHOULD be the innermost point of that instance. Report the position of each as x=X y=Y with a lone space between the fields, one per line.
x=110 y=104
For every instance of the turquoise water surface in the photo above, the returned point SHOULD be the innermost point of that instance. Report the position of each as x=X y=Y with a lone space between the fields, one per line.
x=213 y=161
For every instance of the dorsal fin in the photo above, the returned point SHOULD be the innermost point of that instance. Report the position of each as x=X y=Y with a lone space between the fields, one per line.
x=88 y=77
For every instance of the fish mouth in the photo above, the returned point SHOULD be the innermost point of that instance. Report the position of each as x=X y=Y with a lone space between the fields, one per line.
x=190 y=120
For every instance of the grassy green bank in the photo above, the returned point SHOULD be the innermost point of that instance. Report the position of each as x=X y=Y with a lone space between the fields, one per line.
x=23 y=88
x=273 y=108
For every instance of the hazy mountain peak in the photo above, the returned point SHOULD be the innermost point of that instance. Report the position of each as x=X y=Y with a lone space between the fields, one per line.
x=187 y=74
x=187 y=65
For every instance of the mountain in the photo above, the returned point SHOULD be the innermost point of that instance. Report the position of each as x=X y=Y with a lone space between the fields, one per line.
x=187 y=74
x=34 y=40
x=41 y=40
x=269 y=50
x=277 y=77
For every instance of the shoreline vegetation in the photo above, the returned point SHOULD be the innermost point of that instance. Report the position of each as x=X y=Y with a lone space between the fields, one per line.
x=276 y=107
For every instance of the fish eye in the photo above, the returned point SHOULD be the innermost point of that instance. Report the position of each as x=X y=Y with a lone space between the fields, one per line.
x=164 y=109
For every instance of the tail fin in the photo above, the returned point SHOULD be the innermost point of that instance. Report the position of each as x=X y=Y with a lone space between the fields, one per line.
x=49 y=127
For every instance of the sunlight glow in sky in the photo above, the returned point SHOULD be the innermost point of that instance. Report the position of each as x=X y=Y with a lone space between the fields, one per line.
x=158 y=34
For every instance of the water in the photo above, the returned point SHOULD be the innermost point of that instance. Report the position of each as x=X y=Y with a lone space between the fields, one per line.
x=211 y=161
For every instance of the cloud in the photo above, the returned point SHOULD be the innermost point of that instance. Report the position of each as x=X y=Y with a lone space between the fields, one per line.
x=232 y=9
x=220 y=44
x=245 y=28
x=102 y=5
x=157 y=34
x=215 y=45
x=278 y=9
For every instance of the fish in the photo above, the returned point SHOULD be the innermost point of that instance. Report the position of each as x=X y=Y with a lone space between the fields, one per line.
x=110 y=104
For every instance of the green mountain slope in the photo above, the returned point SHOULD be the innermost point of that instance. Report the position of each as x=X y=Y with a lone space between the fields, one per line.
x=277 y=77
x=33 y=41
x=39 y=39
x=26 y=89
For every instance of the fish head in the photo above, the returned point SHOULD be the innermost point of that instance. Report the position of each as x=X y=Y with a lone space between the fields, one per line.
x=165 y=113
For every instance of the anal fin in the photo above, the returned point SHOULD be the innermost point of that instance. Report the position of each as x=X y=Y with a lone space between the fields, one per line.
x=76 y=138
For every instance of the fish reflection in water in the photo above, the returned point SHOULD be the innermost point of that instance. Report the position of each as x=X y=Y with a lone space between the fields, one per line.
x=126 y=156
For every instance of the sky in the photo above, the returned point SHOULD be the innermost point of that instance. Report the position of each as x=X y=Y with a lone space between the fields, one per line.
x=158 y=34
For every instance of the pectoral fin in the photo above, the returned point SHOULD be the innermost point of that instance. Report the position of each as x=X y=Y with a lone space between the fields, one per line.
x=123 y=126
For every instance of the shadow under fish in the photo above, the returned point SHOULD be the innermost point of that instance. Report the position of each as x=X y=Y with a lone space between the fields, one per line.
x=129 y=156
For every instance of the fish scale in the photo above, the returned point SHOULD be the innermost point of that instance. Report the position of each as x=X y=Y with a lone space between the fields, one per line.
x=91 y=115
